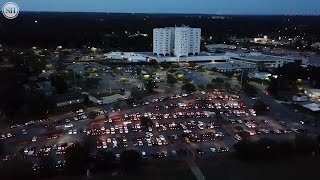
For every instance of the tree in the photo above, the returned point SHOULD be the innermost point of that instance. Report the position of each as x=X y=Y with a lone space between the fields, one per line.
x=136 y=94
x=86 y=100
x=186 y=80
x=1 y=149
x=37 y=104
x=209 y=86
x=238 y=128
x=116 y=106
x=244 y=134
x=306 y=144
x=171 y=79
x=188 y=87
x=165 y=65
x=172 y=70
x=138 y=71
x=92 y=115
x=104 y=160
x=47 y=166
x=262 y=67
x=249 y=89
x=227 y=85
x=286 y=148
x=243 y=77
x=217 y=80
x=146 y=122
x=11 y=92
x=260 y=107
x=261 y=149
x=201 y=87
x=16 y=169
x=60 y=84
x=192 y=64
x=229 y=74
x=150 y=85
x=92 y=82
x=153 y=62
x=77 y=158
x=291 y=71
x=130 y=159
x=130 y=101
x=214 y=69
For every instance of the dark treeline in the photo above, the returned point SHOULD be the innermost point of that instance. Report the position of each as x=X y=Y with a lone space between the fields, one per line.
x=108 y=30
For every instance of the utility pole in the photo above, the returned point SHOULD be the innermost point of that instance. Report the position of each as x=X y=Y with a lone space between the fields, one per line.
x=241 y=76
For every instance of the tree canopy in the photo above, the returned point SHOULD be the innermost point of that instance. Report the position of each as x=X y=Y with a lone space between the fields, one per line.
x=104 y=160
x=146 y=122
x=188 y=87
x=260 y=107
x=77 y=157
x=171 y=79
x=130 y=159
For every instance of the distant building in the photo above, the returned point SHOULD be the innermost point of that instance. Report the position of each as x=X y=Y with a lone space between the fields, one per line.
x=261 y=75
x=69 y=99
x=253 y=59
x=263 y=40
x=130 y=56
x=300 y=98
x=179 y=41
x=313 y=93
x=215 y=47
x=315 y=45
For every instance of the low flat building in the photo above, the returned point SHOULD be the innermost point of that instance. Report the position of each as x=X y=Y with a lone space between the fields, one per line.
x=312 y=107
x=239 y=59
x=69 y=99
x=300 y=98
x=253 y=59
x=215 y=47
x=260 y=75
x=313 y=93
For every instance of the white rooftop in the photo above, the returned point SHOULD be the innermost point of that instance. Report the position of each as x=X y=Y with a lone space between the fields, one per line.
x=313 y=107
x=314 y=90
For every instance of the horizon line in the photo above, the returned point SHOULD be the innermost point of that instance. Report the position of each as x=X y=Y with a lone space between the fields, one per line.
x=212 y=14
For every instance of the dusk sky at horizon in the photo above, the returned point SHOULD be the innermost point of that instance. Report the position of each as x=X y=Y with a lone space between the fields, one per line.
x=292 y=7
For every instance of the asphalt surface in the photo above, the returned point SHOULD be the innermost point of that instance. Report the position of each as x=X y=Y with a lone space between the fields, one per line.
x=197 y=141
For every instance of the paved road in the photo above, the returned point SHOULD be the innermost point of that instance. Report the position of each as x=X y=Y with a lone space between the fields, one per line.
x=283 y=113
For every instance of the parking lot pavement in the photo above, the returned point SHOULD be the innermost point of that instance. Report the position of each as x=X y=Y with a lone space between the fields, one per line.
x=199 y=123
x=195 y=76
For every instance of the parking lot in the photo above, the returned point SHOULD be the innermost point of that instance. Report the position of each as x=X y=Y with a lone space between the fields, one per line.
x=202 y=123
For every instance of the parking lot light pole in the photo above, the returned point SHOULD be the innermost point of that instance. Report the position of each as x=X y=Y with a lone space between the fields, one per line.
x=75 y=80
x=241 y=76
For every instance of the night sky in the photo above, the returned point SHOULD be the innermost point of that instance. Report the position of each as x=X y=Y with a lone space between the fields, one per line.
x=292 y=7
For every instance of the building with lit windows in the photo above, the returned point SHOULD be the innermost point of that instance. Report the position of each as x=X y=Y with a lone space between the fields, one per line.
x=177 y=41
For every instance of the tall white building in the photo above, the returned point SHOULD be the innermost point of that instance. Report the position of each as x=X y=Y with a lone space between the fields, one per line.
x=179 y=41
x=163 y=41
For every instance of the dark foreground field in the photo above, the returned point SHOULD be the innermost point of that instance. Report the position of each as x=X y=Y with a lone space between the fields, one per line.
x=229 y=168
x=223 y=168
